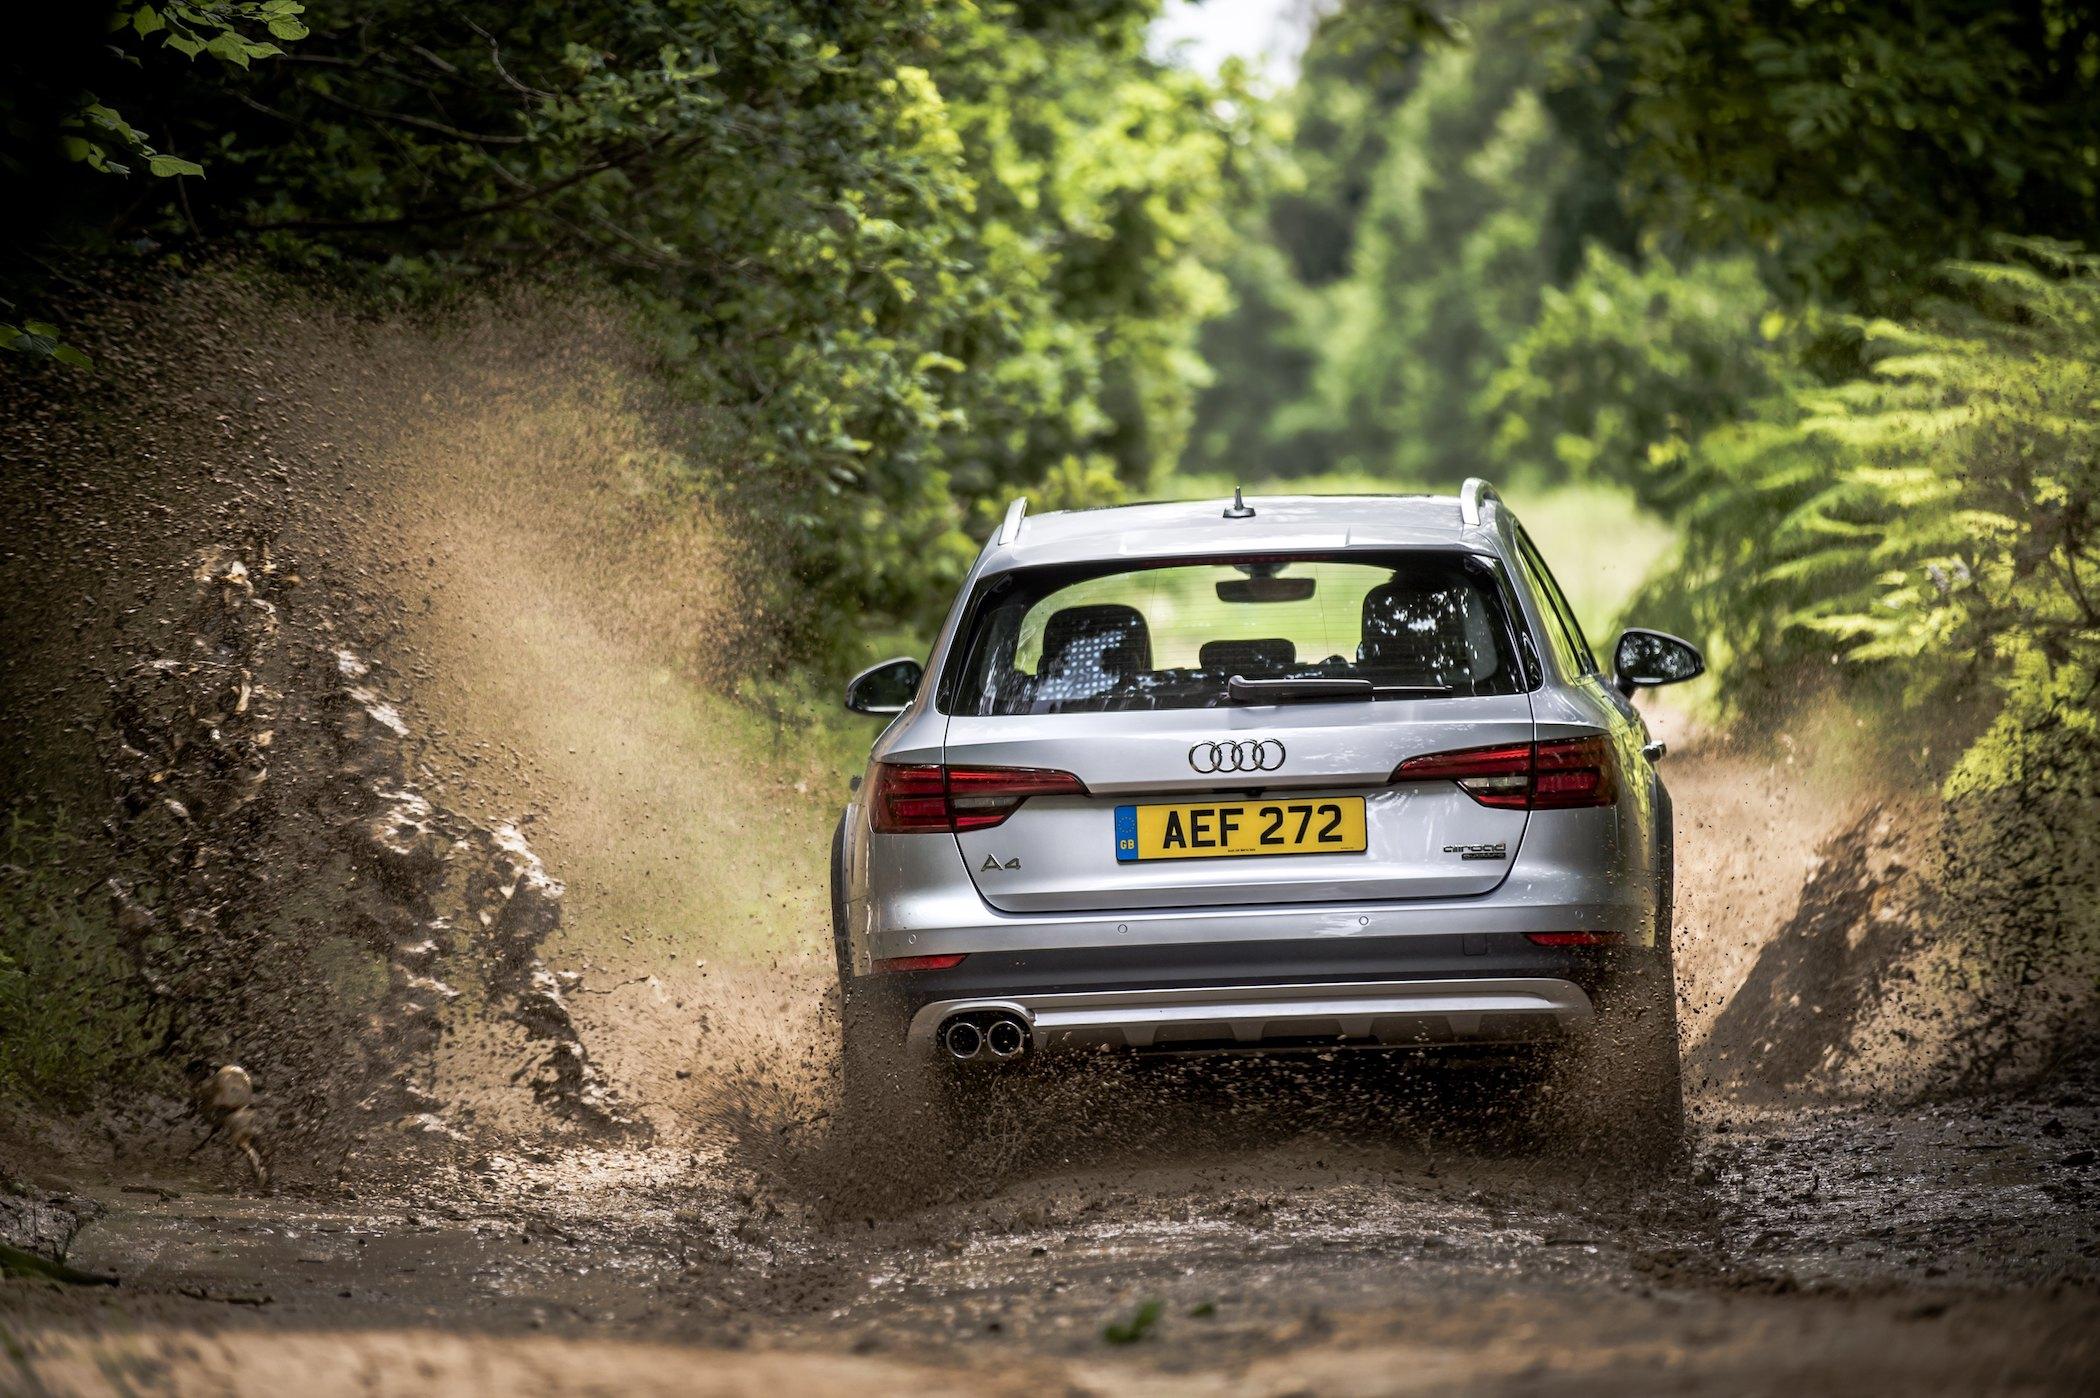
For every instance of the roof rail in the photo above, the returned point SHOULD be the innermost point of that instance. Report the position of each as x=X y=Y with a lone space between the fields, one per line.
x=1011 y=529
x=1474 y=494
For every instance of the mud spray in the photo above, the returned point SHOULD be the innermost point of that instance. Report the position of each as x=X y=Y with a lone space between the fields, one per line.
x=380 y=674
x=387 y=661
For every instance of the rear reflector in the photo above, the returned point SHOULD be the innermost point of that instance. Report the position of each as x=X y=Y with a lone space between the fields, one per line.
x=1575 y=939
x=943 y=962
x=916 y=799
x=1557 y=774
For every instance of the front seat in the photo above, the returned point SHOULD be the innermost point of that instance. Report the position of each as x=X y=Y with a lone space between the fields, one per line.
x=1415 y=633
x=1089 y=651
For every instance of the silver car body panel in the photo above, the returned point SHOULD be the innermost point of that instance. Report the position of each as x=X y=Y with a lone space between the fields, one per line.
x=1332 y=750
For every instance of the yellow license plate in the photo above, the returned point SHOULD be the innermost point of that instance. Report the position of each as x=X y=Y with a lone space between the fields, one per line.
x=1215 y=829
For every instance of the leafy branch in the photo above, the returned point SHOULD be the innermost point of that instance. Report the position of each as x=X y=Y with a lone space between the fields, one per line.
x=98 y=136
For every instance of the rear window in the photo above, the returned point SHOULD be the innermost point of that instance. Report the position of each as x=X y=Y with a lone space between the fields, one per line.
x=1095 y=640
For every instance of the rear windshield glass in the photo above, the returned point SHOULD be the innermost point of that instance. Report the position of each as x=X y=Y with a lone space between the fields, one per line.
x=1050 y=641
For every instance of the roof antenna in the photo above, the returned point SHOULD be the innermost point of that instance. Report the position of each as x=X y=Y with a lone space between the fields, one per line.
x=1239 y=508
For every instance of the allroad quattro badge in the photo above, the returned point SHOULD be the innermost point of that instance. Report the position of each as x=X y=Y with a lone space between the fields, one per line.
x=1497 y=850
x=1239 y=756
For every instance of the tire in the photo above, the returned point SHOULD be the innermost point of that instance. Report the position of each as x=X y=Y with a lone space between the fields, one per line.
x=895 y=1104
x=1621 y=1095
x=1638 y=1061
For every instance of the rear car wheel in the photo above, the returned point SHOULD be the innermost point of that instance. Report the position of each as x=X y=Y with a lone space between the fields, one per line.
x=1621 y=1097
x=895 y=1103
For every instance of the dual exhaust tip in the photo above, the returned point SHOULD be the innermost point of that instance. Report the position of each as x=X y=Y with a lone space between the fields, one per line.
x=1001 y=1038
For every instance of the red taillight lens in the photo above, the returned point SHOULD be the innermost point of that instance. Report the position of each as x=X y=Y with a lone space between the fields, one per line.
x=1575 y=772
x=1554 y=775
x=908 y=799
x=1574 y=939
x=1497 y=776
x=945 y=962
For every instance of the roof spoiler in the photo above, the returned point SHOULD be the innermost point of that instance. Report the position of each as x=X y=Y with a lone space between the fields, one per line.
x=1011 y=529
x=1472 y=497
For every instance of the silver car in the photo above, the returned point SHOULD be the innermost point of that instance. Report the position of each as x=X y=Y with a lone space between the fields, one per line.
x=1294 y=773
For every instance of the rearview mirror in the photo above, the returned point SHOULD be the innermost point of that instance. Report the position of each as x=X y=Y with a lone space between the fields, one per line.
x=1259 y=589
x=885 y=688
x=1643 y=659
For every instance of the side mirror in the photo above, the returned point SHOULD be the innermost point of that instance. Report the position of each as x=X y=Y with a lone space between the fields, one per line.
x=1643 y=659
x=886 y=688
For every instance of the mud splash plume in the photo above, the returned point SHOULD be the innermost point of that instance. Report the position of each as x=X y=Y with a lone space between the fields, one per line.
x=208 y=632
x=193 y=732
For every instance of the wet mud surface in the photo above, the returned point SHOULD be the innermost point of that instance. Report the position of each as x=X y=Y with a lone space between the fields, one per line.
x=1832 y=1246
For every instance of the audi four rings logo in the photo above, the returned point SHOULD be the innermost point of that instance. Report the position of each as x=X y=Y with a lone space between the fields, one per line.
x=1264 y=756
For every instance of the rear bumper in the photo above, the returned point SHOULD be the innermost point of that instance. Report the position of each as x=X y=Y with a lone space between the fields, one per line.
x=1485 y=1010
x=960 y=922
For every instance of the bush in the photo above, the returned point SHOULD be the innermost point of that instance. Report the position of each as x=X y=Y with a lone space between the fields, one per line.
x=1935 y=523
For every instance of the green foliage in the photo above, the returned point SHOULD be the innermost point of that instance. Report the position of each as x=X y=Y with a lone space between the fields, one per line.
x=926 y=256
x=96 y=135
x=40 y=340
x=1434 y=196
x=1853 y=146
x=1140 y=1323
x=54 y=123
x=1960 y=539
x=1447 y=269
x=1621 y=370
x=1930 y=526
x=69 y=1021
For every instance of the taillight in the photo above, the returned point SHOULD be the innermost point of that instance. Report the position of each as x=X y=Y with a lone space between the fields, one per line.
x=981 y=797
x=904 y=800
x=910 y=799
x=1575 y=772
x=1554 y=775
x=1497 y=776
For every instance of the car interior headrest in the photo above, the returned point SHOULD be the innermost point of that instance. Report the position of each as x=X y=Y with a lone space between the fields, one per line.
x=1419 y=629
x=1086 y=649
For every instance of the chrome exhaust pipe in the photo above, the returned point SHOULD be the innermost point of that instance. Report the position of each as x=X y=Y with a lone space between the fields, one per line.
x=1006 y=1037
x=963 y=1040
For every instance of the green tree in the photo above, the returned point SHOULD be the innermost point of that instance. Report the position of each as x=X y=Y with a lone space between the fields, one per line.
x=54 y=127
x=1627 y=366
x=925 y=256
x=1447 y=269
x=1854 y=146
x=1432 y=194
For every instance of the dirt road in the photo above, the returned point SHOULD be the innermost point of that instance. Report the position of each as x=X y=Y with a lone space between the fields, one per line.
x=1807 y=1249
